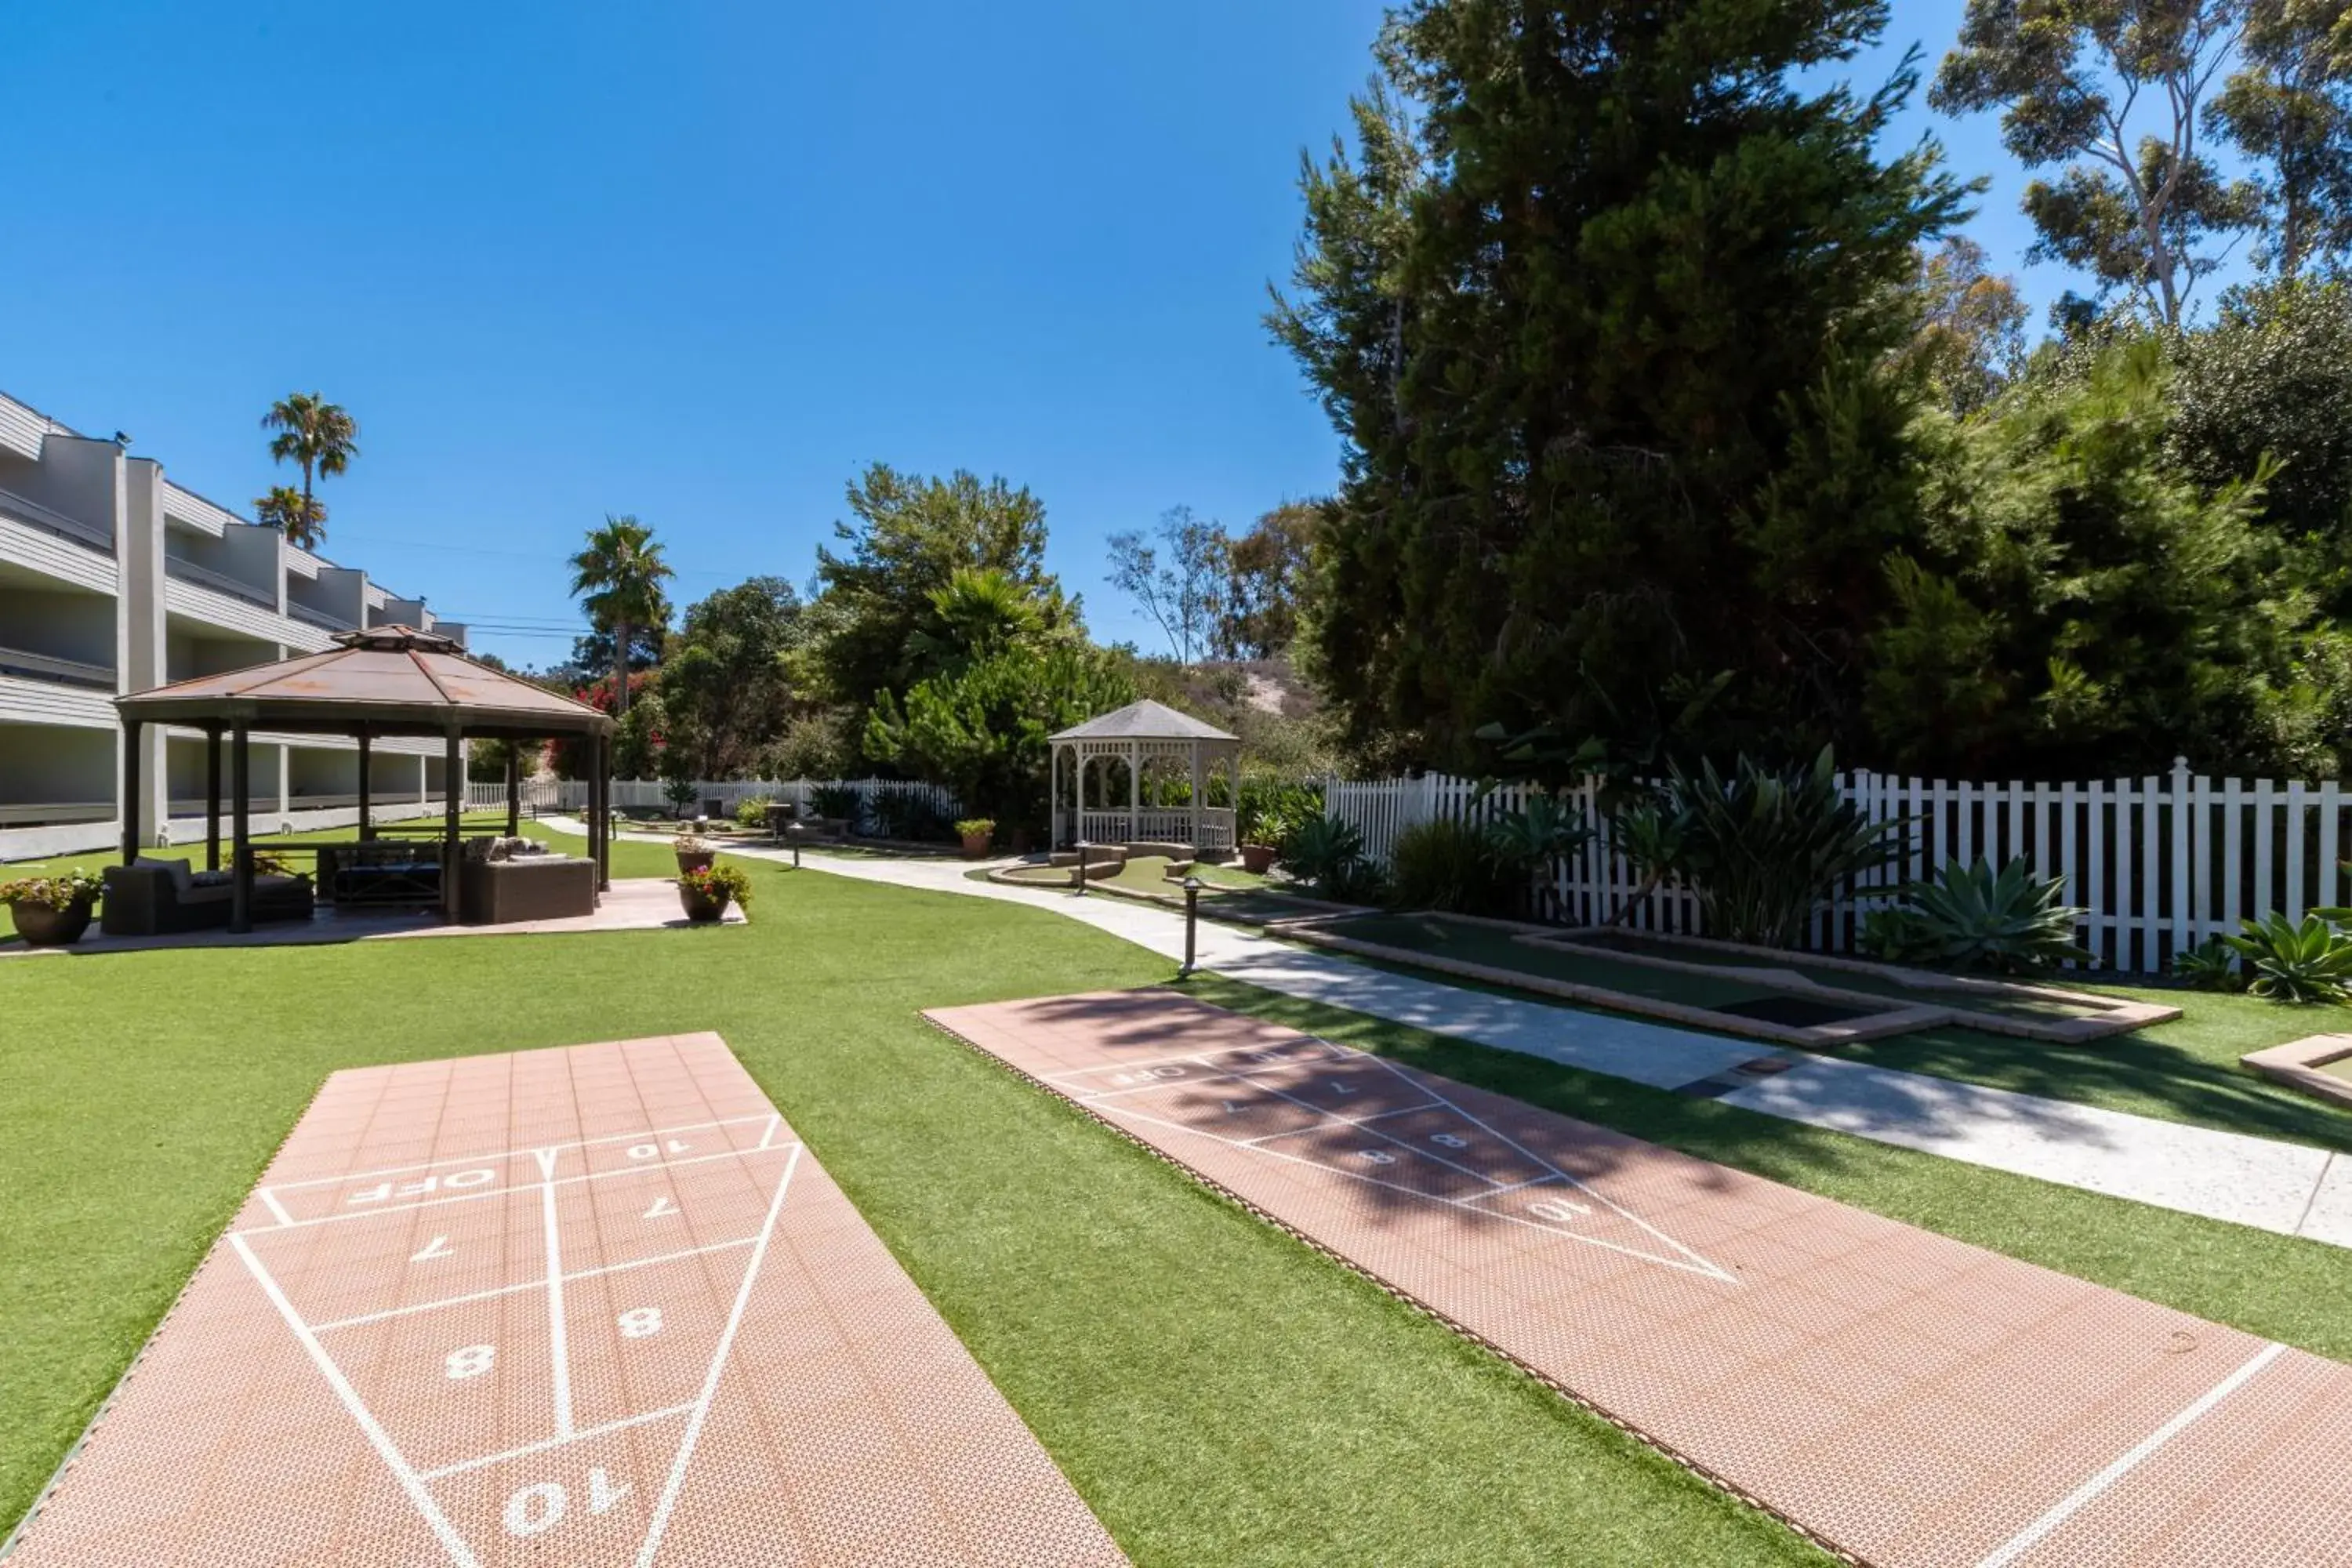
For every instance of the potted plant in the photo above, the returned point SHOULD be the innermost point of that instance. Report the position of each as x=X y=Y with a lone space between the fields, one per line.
x=705 y=893
x=976 y=832
x=1259 y=854
x=695 y=853
x=52 y=912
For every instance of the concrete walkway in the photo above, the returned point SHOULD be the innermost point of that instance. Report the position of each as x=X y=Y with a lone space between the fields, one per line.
x=2287 y=1188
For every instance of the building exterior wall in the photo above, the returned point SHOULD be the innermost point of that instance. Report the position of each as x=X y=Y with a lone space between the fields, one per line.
x=90 y=536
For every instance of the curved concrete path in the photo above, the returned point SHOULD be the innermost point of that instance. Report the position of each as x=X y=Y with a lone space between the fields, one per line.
x=2287 y=1188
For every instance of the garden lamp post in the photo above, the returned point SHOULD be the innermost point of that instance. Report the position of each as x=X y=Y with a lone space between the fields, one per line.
x=1081 y=867
x=1191 y=919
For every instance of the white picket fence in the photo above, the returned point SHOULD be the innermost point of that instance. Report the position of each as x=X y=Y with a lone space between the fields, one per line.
x=572 y=794
x=537 y=794
x=2162 y=863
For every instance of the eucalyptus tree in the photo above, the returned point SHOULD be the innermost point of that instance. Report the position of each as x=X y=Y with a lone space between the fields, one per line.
x=618 y=580
x=2109 y=93
x=2289 y=108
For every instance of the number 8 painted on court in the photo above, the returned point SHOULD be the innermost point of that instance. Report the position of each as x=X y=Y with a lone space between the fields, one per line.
x=471 y=1361
x=639 y=1323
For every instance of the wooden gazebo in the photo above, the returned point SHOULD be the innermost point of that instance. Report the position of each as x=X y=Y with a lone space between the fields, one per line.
x=1140 y=735
x=389 y=680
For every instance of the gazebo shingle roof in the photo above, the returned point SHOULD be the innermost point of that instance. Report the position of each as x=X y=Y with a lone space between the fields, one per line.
x=1144 y=721
x=392 y=678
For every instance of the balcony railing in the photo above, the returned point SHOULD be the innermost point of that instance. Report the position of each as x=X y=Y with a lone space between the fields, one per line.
x=33 y=514
x=204 y=576
x=319 y=618
x=43 y=666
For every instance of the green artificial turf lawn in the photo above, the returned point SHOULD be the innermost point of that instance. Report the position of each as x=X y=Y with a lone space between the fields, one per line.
x=1218 y=1392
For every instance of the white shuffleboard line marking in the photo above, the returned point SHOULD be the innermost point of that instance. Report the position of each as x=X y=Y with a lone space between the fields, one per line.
x=769 y=1136
x=2073 y=1502
x=451 y=1542
x=462 y=1466
x=1474 y=1205
x=270 y=1200
x=558 y=1350
x=1598 y=1196
x=525 y=1187
x=517 y=1290
x=1332 y=1118
x=718 y=1364
x=519 y=1153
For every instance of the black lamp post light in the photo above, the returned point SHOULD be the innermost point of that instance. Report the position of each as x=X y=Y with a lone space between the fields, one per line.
x=1191 y=920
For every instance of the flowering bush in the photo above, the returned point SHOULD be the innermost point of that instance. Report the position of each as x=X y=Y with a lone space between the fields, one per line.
x=692 y=844
x=62 y=891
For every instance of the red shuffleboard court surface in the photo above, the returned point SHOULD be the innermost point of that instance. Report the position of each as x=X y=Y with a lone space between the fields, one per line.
x=1907 y=1400
x=585 y=1307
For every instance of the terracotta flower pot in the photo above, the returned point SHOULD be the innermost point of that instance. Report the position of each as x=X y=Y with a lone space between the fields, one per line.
x=703 y=908
x=975 y=845
x=695 y=860
x=43 y=926
x=1257 y=859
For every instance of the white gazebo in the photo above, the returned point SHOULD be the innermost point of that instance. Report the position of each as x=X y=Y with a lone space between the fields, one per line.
x=1152 y=740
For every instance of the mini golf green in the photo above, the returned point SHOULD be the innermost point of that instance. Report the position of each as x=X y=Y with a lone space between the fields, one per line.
x=1842 y=979
x=1495 y=948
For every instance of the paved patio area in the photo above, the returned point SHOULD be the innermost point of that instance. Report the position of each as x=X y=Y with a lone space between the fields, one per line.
x=641 y=903
x=594 y=1307
x=1911 y=1401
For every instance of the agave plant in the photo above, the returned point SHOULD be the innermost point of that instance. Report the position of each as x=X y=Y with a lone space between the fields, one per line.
x=2305 y=962
x=1971 y=917
x=2210 y=966
x=1326 y=851
x=1763 y=848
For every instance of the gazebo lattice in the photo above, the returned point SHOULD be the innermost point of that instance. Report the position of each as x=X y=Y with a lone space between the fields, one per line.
x=1138 y=736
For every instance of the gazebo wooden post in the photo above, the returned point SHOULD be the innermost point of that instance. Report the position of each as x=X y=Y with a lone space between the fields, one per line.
x=1134 y=789
x=134 y=734
x=1200 y=797
x=240 y=877
x=452 y=772
x=1054 y=799
x=604 y=815
x=366 y=769
x=212 y=796
x=514 y=790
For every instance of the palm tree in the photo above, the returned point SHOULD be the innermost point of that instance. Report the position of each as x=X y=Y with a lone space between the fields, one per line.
x=313 y=432
x=297 y=516
x=618 y=581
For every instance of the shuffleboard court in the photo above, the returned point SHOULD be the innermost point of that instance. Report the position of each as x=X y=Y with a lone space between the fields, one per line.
x=585 y=1307
x=1908 y=1400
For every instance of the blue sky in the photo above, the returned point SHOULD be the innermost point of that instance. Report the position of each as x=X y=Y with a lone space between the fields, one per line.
x=700 y=262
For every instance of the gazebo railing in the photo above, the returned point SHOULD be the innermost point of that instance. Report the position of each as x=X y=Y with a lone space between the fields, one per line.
x=1158 y=825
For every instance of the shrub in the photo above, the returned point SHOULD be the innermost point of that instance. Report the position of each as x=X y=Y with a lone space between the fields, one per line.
x=1267 y=806
x=2210 y=965
x=681 y=794
x=1447 y=864
x=59 y=892
x=976 y=827
x=2299 y=964
x=1326 y=852
x=692 y=844
x=1971 y=918
x=752 y=811
x=1763 y=848
x=1528 y=843
x=836 y=800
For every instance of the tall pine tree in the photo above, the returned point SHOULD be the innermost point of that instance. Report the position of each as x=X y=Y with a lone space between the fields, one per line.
x=1604 y=307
